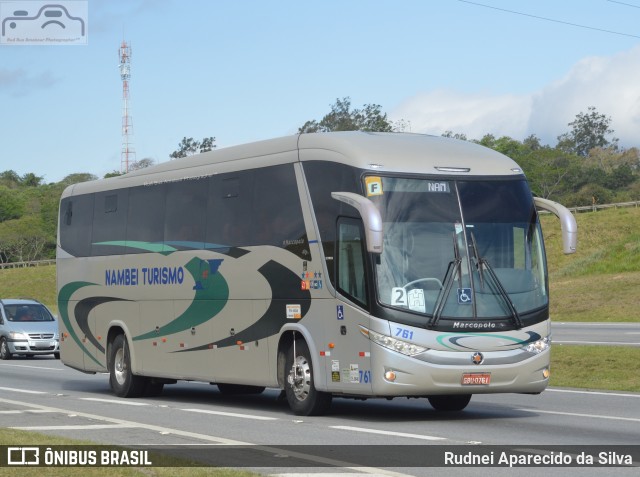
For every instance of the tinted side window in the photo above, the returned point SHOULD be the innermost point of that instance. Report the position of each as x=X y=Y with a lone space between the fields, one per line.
x=110 y=222
x=185 y=214
x=351 y=260
x=229 y=210
x=145 y=220
x=322 y=179
x=257 y=207
x=278 y=214
x=76 y=219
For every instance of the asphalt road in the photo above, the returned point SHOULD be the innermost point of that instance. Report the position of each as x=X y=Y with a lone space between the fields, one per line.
x=606 y=334
x=44 y=396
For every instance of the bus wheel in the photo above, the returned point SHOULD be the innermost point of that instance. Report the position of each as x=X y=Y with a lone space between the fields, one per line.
x=231 y=389
x=123 y=382
x=454 y=402
x=302 y=396
x=4 y=349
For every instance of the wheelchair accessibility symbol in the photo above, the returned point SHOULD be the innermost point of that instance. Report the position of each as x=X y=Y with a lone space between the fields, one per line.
x=464 y=296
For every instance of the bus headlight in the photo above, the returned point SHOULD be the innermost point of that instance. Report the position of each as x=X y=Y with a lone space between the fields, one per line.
x=539 y=346
x=389 y=342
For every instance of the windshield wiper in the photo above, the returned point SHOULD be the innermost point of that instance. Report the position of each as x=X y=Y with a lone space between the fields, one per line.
x=449 y=277
x=482 y=264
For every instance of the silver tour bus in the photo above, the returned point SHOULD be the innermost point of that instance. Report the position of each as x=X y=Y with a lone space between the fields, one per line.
x=343 y=264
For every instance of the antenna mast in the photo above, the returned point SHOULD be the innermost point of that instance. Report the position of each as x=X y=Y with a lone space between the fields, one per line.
x=127 y=153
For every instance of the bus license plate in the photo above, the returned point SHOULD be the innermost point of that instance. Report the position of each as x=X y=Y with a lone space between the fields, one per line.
x=476 y=379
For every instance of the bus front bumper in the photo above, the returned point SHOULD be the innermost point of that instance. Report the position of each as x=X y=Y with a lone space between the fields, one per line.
x=449 y=372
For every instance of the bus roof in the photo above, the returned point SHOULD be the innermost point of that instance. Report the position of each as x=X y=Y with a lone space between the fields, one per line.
x=383 y=152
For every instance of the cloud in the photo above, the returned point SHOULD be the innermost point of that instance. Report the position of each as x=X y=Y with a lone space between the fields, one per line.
x=19 y=83
x=608 y=83
x=472 y=114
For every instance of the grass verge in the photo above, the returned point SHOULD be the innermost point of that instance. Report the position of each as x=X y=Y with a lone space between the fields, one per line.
x=611 y=368
x=30 y=282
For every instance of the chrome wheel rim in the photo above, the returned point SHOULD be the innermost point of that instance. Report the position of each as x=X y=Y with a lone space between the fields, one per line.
x=119 y=367
x=300 y=378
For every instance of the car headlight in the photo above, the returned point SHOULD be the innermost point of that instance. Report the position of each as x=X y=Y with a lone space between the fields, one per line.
x=539 y=346
x=389 y=342
x=14 y=335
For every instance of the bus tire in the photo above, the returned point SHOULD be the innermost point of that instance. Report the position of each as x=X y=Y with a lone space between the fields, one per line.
x=454 y=402
x=122 y=381
x=5 y=354
x=231 y=389
x=303 y=398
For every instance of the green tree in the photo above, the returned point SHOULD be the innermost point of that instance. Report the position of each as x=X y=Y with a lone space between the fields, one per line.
x=141 y=164
x=23 y=239
x=549 y=170
x=451 y=134
x=78 y=177
x=11 y=204
x=10 y=179
x=343 y=118
x=589 y=130
x=207 y=144
x=188 y=146
x=31 y=180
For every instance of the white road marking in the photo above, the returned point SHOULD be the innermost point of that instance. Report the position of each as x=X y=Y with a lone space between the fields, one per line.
x=125 y=402
x=25 y=391
x=33 y=367
x=595 y=393
x=575 y=414
x=610 y=343
x=212 y=439
x=389 y=433
x=85 y=427
x=321 y=474
x=140 y=425
x=233 y=414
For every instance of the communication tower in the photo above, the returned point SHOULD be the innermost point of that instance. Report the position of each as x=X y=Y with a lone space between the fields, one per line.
x=128 y=153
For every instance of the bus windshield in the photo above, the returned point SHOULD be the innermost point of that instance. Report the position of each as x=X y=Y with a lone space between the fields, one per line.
x=459 y=249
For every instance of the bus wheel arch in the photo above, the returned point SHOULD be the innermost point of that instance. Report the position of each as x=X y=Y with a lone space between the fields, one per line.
x=286 y=339
x=299 y=384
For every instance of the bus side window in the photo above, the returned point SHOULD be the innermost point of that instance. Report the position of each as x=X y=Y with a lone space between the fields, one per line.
x=351 y=260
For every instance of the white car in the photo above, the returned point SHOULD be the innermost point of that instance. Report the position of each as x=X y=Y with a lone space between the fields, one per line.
x=27 y=328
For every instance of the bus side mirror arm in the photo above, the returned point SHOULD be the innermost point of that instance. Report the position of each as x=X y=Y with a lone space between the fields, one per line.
x=567 y=222
x=370 y=217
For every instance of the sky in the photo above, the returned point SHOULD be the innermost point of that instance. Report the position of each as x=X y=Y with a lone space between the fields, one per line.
x=247 y=70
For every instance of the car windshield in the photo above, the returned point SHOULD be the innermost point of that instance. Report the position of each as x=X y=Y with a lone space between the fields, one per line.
x=459 y=249
x=22 y=312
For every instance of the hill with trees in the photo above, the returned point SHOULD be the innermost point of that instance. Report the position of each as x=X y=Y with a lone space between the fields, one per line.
x=585 y=167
